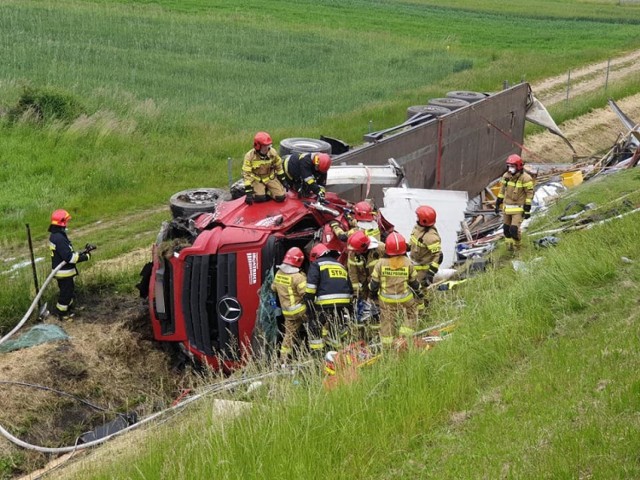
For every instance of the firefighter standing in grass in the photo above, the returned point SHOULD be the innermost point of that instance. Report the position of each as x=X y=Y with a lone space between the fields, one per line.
x=516 y=193
x=262 y=172
x=328 y=296
x=290 y=284
x=307 y=173
x=426 y=249
x=394 y=280
x=62 y=251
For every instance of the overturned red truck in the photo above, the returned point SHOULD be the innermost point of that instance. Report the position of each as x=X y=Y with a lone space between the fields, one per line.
x=204 y=282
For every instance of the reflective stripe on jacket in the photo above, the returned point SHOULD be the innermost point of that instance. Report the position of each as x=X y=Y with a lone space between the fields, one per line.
x=517 y=191
x=395 y=278
x=426 y=249
x=62 y=251
x=290 y=288
x=328 y=281
x=261 y=168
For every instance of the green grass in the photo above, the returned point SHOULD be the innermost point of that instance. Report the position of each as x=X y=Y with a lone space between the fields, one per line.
x=172 y=89
x=538 y=380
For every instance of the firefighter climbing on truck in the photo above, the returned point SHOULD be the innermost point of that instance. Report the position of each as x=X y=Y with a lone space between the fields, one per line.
x=307 y=173
x=262 y=172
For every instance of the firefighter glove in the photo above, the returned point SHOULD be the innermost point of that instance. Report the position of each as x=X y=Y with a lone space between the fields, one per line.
x=428 y=280
x=89 y=247
x=321 y=196
x=527 y=211
x=343 y=236
x=498 y=204
x=249 y=195
x=284 y=181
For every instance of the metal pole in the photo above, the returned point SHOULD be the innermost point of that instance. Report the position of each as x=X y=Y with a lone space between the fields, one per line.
x=229 y=173
x=33 y=263
x=606 y=80
x=370 y=126
x=568 y=87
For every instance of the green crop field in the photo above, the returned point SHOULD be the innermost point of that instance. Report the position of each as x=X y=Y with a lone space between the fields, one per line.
x=168 y=90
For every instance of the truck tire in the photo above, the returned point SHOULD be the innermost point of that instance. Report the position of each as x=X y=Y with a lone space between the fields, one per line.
x=196 y=200
x=432 y=109
x=450 y=103
x=303 y=145
x=466 y=95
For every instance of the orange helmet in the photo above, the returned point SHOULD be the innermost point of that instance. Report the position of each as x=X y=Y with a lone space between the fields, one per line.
x=426 y=216
x=358 y=242
x=261 y=139
x=395 y=244
x=514 y=160
x=60 y=217
x=322 y=162
x=294 y=257
x=317 y=251
x=363 y=211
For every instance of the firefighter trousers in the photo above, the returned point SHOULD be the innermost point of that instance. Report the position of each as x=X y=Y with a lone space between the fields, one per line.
x=404 y=314
x=335 y=318
x=292 y=326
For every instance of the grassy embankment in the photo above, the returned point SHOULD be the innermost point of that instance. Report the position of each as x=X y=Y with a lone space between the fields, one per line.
x=170 y=90
x=538 y=380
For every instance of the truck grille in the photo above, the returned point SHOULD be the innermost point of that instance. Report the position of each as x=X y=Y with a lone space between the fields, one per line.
x=208 y=278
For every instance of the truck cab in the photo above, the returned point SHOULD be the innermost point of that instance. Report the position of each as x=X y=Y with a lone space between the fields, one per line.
x=208 y=271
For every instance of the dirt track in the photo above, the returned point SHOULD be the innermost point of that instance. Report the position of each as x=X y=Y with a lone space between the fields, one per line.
x=594 y=132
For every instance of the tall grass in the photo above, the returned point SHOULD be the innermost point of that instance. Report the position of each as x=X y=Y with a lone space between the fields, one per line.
x=537 y=381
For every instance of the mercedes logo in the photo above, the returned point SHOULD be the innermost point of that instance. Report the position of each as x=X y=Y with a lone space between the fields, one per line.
x=229 y=309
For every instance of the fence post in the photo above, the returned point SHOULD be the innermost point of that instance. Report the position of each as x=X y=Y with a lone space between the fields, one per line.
x=606 y=80
x=568 y=88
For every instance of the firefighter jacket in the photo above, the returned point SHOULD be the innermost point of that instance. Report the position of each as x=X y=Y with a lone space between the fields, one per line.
x=426 y=250
x=290 y=285
x=62 y=251
x=395 y=279
x=301 y=171
x=371 y=228
x=328 y=281
x=261 y=168
x=517 y=191
x=360 y=267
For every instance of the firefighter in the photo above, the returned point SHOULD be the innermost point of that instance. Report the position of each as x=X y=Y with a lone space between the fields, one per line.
x=363 y=255
x=516 y=193
x=307 y=173
x=262 y=172
x=426 y=249
x=328 y=295
x=394 y=281
x=290 y=284
x=365 y=219
x=62 y=251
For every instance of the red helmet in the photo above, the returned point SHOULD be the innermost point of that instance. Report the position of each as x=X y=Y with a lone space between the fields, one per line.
x=426 y=216
x=359 y=242
x=515 y=160
x=322 y=162
x=261 y=139
x=395 y=244
x=294 y=257
x=60 y=217
x=317 y=251
x=363 y=211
